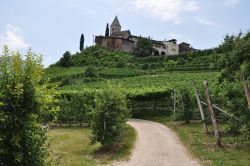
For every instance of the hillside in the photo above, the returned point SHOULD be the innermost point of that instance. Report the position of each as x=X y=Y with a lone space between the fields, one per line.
x=115 y=64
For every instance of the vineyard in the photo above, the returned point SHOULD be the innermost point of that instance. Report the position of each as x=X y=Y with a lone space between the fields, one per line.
x=100 y=89
x=162 y=86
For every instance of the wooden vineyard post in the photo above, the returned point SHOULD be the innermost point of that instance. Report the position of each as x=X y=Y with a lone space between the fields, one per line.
x=200 y=108
x=246 y=89
x=174 y=96
x=213 y=117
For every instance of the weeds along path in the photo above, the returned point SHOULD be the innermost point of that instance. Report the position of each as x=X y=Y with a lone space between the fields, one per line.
x=157 y=145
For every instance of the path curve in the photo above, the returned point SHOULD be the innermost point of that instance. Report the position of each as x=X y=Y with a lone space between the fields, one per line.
x=157 y=145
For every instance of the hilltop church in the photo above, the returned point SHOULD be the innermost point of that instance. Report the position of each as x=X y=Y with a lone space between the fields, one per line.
x=125 y=41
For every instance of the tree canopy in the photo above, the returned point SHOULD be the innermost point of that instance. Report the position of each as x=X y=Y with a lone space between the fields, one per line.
x=82 y=42
x=144 y=47
x=107 y=30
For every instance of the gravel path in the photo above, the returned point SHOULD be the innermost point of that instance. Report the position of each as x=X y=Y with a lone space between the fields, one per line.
x=157 y=145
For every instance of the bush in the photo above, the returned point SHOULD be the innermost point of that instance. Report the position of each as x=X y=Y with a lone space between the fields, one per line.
x=24 y=99
x=109 y=116
x=90 y=72
x=144 y=48
x=65 y=60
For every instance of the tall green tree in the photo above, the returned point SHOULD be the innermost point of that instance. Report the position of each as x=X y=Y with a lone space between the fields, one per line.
x=144 y=47
x=107 y=30
x=82 y=42
x=24 y=97
x=65 y=60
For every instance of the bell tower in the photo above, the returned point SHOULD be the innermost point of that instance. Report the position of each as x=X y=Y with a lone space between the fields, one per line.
x=115 y=26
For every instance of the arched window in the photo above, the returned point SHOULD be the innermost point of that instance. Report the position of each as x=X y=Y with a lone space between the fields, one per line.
x=163 y=53
x=156 y=53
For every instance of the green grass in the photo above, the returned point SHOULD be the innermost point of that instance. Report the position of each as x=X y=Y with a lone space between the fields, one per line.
x=70 y=146
x=234 y=153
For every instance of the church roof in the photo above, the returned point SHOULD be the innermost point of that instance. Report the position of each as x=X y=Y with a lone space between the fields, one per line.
x=116 y=22
x=122 y=33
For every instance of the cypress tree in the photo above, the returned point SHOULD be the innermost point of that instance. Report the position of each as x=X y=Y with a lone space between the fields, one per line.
x=81 y=42
x=107 y=30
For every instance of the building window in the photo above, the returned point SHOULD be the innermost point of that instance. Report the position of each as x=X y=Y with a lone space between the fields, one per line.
x=163 y=53
x=164 y=47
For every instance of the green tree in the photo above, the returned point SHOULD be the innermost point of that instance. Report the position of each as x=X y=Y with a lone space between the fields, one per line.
x=107 y=30
x=82 y=42
x=65 y=60
x=236 y=58
x=24 y=98
x=144 y=48
x=109 y=116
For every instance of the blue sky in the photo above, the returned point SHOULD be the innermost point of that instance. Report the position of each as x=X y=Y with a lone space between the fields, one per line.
x=52 y=27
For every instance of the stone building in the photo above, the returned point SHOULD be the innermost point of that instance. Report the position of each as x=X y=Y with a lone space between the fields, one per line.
x=125 y=41
x=118 y=40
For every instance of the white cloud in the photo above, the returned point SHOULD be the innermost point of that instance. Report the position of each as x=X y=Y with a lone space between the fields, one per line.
x=166 y=10
x=13 y=38
x=229 y=3
x=203 y=21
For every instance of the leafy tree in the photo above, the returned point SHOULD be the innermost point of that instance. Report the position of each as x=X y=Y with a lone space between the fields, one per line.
x=65 y=60
x=144 y=48
x=236 y=58
x=24 y=98
x=107 y=30
x=82 y=42
x=109 y=116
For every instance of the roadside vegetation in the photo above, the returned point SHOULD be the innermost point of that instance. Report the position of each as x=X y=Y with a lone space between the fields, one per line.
x=72 y=146
x=235 y=151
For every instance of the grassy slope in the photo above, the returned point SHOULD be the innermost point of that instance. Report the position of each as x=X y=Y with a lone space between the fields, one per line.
x=203 y=146
x=71 y=147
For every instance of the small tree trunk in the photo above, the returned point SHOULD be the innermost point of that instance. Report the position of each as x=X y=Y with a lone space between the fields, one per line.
x=80 y=123
x=246 y=89
x=213 y=117
x=200 y=108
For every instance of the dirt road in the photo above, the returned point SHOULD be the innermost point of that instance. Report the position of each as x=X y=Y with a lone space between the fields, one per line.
x=157 y=145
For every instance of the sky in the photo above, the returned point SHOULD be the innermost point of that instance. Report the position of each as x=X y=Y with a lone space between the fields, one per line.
x=51 y=27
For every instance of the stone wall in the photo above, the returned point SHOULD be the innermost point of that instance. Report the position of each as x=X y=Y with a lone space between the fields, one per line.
x=115 y=43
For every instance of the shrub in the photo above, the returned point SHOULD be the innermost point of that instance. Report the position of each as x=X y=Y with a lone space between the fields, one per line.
x=65 y=60
x=121 y=63
x=144 y=48
x=24 y=99
x=109 y=116
x=90 y=72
